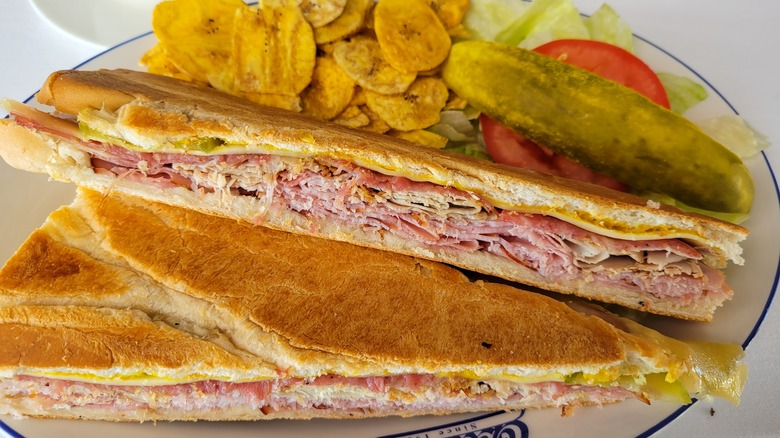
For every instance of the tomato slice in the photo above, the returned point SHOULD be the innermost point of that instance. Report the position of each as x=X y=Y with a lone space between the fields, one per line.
x=507 y=146
x=611 y=62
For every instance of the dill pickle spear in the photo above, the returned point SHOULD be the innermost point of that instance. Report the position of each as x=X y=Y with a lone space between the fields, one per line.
x=603 y=125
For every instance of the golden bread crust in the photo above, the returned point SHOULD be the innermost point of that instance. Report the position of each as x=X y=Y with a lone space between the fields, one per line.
x=22 y=148
x=81 y=337
x=349 y=300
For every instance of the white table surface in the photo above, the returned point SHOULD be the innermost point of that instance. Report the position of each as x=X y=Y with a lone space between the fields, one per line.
x=735 y=45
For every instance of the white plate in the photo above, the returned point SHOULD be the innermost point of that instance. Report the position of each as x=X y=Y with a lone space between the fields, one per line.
x=100 y=22
x=27 y=199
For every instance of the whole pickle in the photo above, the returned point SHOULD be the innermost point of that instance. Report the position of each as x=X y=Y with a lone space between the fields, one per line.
x=603 y=125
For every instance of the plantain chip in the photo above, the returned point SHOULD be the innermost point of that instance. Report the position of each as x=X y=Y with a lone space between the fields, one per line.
x=369 y=24
x=330 y=90
x=411 y=36
x=450 y=12
x=361 y=59
x=157 y=62
x=459 y=32
x=348 y=23
x=417 y=108
x=436 y=71
x=283 y=101
x=455 y=102
x=367 y=64
x=321 y=12
x=273 y=50
x=225 y=81
x=375 y=124
x=196 y=34
x=359 y=97
x=353 y=117
x=422 y=137
x=326 y=49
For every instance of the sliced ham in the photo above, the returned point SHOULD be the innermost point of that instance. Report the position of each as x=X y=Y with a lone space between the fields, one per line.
x=391 y=395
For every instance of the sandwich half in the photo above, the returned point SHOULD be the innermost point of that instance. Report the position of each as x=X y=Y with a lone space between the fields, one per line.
x=125 y=310
x=191 y=146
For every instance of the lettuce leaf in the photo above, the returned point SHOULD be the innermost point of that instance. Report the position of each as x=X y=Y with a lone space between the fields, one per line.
x=736 y=134
x=606 y=25
x=683 y=92
x=461 y=127
x=543 y=21
x=486 y=18
x=476 y=150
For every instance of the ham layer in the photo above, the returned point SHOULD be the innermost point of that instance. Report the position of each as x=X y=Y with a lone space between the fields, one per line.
x=361 y=396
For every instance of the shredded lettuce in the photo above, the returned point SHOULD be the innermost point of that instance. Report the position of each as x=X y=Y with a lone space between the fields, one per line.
x=486 y=18
x=461 y=127
x=606 y=25
x=456 y=126
x=683 y=92
x=543 y=21
x=476 y=150
x=736 y=134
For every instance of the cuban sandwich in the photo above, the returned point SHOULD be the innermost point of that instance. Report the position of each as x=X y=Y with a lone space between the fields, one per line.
x=122 y=309
x=191 y=146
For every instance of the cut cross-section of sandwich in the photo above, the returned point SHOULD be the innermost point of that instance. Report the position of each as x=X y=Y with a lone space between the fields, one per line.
x=191 y=146
x=122 y=309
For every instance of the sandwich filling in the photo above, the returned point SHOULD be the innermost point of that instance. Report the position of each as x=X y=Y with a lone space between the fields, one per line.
x=358 y=396
x=430 y=215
